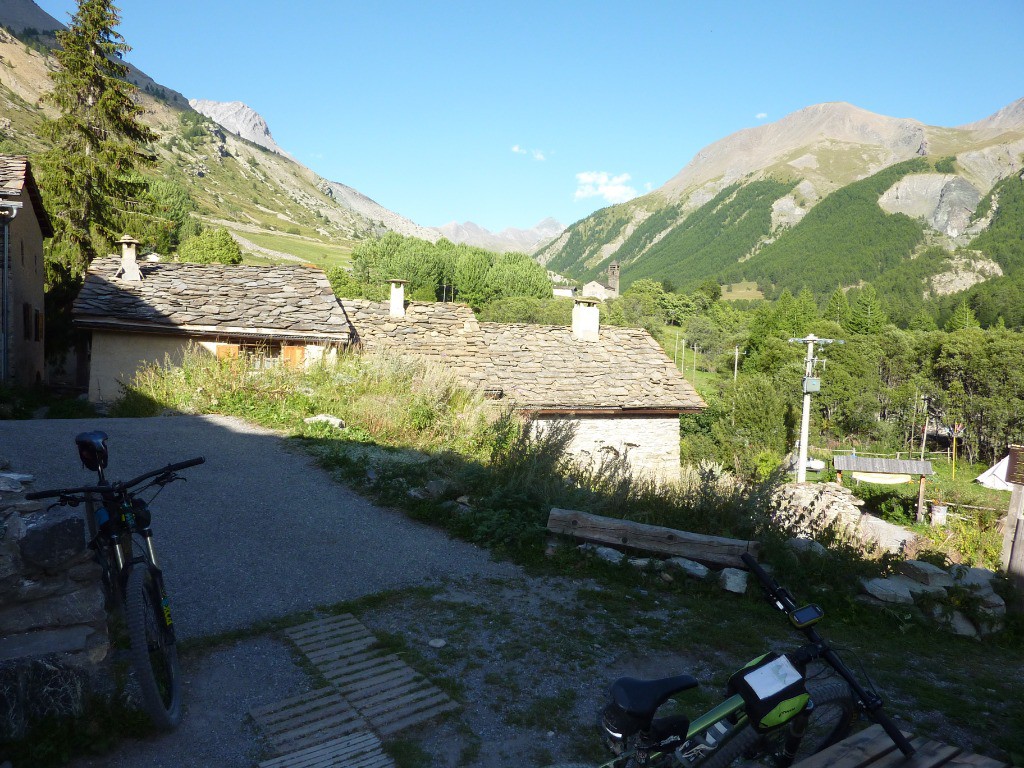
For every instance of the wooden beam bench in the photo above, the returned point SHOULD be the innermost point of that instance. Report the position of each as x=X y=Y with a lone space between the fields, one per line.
x=872 y=748
x=716 y=550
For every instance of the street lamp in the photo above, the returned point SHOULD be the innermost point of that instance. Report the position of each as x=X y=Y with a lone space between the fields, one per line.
x=810 y=385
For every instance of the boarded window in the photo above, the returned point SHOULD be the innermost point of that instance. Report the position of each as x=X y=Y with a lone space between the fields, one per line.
x=227 y=351
x=293 y=356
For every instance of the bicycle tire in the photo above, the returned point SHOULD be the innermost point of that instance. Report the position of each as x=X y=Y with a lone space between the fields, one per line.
x=831 y=719
x=154 y=656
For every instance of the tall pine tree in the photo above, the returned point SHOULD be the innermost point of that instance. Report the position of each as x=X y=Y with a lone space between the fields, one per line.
x=89 y=176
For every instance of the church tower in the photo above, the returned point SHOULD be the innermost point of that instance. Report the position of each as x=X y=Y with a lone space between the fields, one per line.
x=613 y=277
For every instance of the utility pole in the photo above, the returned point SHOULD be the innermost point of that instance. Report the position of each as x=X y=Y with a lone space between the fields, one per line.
x=810 y=384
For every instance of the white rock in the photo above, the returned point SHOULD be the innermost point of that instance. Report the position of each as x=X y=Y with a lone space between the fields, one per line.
x=916 y=587
x=954 y=621
x=325 y=418
x=17 y=477
x=733 y=580
x=971 y=577
x=437 y=642
x=887 y=591
x=800 y=544
x=925 y=573
x=692 y=569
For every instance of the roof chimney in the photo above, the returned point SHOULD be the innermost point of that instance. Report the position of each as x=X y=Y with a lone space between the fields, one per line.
x=398 y=297
x=586 y=319
x=129 y=268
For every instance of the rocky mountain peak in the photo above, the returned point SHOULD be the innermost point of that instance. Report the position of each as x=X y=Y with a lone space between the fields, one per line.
x=240 y=119
x=1009 y=118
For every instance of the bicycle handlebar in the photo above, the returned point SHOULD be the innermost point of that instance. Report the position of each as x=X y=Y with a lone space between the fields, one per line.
x=114 y=487
x=872 y=702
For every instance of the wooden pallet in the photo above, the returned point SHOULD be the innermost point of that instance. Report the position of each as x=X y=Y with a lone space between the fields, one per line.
x=389 y=694
x=872 y=748
x=308 y=720
x=361 y=750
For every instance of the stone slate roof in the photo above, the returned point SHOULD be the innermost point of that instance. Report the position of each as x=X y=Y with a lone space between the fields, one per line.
x=883 y=466
x=537 y=367
x=542 y=367
x=273 y=303
x=16 y=177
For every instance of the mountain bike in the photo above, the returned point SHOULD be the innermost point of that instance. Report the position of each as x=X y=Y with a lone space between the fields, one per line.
x=120 y=533
x=775 y=711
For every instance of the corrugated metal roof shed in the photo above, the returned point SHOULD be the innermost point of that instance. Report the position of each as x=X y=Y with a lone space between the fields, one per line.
x=882 y=466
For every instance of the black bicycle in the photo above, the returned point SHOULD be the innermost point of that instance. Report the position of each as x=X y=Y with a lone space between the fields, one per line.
x=121 y=535
x=774 y=711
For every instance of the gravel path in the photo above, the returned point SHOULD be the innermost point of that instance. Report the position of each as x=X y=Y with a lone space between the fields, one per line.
x=258 y=531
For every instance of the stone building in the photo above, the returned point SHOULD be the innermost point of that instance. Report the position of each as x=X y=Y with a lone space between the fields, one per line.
x=23 y=225
x=616 y=385
x=609 y=290
x=143 y=312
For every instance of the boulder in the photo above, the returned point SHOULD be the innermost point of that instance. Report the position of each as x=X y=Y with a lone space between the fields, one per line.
x=691 y=568
x=733 y=580
x=925 y=573
x=972 y=578
x=801 y=545
x=954 y=621
x=888 y=591
x=917 y=588
x=53 y=538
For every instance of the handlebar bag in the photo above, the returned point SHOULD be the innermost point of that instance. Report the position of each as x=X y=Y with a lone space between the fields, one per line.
x=773 y=689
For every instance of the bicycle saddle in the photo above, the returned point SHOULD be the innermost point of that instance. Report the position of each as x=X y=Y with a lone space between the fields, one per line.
x=92 y=449
x=641 y=698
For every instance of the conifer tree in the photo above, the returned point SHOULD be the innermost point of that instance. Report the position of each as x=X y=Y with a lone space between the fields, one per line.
x=866 y=314
x=838 y=308
x=962 y=317
x=88 y=176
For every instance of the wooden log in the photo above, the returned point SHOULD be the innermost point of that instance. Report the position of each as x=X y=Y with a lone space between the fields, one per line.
x=716 y=550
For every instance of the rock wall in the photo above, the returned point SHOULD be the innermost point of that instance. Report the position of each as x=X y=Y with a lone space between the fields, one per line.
x=53 y=629
x=815 y=506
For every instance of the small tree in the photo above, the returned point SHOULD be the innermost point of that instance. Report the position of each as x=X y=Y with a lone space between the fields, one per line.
x=212 y=246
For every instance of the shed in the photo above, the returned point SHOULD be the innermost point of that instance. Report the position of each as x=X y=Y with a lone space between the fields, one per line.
x=886 y=472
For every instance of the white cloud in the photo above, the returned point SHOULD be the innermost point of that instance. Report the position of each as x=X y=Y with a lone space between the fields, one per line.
x=613 y=189
x=761 y=115
x=518 y=150
x=538 y=155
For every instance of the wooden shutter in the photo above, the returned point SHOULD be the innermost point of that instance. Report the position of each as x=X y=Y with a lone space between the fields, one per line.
x=293 y=356
x=227 y=351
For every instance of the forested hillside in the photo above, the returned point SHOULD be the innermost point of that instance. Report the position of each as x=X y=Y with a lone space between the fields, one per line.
x=830 y=197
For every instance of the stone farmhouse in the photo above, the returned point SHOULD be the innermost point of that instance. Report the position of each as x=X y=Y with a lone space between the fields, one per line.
x=596 y=290
x=143 y=312
x=616 y=385
x=23 y=225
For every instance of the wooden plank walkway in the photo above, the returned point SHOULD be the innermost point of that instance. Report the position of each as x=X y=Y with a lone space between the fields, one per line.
x=872 y=748
x=362 y=750
x=372 y=693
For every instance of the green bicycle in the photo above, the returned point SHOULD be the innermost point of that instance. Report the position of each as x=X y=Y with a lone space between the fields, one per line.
x=774 y=711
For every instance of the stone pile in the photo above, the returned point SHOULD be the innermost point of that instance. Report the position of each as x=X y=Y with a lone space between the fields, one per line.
x=816 y=506
x=960 y=599
x=730 y=579
x=53 y=630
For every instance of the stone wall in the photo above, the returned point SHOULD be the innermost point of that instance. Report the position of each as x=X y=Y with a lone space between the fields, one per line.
x=53 y=629
x=650 y=443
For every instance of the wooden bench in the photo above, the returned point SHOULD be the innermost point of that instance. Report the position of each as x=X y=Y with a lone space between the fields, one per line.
x=716 y=550
x=872 y=748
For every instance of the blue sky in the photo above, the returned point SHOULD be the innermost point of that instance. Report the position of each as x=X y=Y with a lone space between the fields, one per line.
x=503 y=114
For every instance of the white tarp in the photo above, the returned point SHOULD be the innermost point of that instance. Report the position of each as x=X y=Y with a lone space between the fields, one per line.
x=995 y=476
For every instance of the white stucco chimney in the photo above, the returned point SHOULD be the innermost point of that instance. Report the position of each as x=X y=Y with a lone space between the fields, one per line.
x=398 y=297
x=586 y=319
x=129 y=266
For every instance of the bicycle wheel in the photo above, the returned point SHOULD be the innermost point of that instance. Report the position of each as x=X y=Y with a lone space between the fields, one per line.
x=830 y=721
x=153 y=653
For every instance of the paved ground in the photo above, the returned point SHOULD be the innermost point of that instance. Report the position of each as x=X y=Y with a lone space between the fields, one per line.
x=258 y=531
